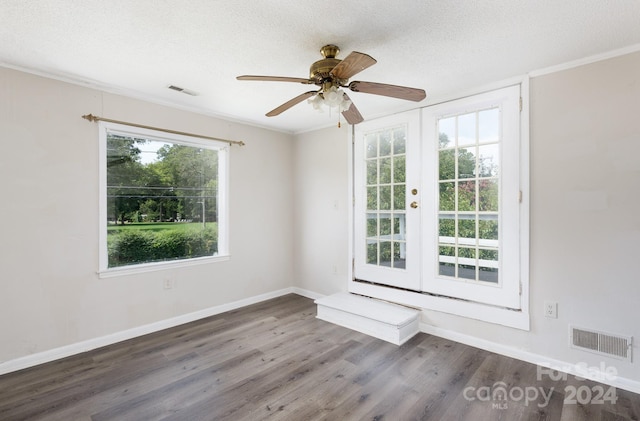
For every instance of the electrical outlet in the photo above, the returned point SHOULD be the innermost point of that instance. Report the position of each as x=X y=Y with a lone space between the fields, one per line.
x=168 y=283
x=551 y=309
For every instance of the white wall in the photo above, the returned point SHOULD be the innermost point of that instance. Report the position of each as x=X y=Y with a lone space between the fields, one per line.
x=50 y=294
x=321 y=236
x=585 y=214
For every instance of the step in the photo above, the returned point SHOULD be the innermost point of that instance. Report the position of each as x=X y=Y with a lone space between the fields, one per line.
x=390 y=322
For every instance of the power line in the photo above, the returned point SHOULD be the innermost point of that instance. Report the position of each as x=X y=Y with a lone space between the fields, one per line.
x=161 y=188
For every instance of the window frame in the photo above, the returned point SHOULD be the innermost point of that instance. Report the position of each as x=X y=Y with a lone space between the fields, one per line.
x=222 y=148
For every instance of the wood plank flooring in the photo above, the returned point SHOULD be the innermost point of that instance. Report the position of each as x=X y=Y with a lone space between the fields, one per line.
x=275 y=361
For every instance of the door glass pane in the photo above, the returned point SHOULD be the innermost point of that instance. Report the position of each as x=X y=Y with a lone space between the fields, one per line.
x=385 y=226
x=399 y=142
x=447 y=197
x=447 y=168
x=466 y=163
x=372 y=225
x=399 y=197
x=447 y=228
x=385 y=143
x=399 y=170
x=469 y=196
x=372 y=198
x=447 y=132
x=372 y=172
x=488 y=195
x=399 y=254
x=446 y=261
x=467 y=227
x=386 y=197
x=466 y=129
x=489 y=125
x=371 y=146
x=385 y=253
x=489 y=160
x=467 y=263
x=488 y=265
x=372 y=252
x=488 y=227
x=399 y=227
x=385 y=171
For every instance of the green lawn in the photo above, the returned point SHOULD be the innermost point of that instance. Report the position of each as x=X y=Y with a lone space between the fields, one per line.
x=159 y=226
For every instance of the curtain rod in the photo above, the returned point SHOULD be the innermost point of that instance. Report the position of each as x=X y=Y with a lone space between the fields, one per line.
x=95 y=118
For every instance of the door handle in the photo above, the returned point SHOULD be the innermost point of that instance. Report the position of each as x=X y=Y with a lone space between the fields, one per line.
x=414 y=205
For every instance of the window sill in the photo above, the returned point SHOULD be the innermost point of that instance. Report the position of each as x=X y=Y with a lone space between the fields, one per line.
x=158 y=266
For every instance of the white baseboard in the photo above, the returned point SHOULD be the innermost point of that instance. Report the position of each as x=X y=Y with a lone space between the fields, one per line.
x=593 y=373
x=88 y=345
x=306 y=293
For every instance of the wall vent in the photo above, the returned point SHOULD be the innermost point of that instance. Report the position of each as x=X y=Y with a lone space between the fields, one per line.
x=602 y=343
x=183 y=90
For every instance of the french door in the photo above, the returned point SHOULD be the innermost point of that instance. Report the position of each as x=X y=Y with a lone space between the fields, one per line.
x=387 y=196
x=437 y=199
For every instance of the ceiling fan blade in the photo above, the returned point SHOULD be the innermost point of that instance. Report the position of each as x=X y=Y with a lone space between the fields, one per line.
x=352 y=64
x=291 y=103
x=275 y=79
x=402 y=92
x=352 y=115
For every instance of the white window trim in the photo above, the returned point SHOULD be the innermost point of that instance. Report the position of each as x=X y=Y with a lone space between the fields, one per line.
x=519 y=319
x=223 y=202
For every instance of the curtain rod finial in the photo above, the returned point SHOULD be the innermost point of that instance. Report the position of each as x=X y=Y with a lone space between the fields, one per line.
x=90 y=117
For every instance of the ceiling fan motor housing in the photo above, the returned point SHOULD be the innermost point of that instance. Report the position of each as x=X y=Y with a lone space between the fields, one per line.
x=320 y=71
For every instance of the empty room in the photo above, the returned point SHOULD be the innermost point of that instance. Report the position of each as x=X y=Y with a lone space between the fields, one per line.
x=296 y=210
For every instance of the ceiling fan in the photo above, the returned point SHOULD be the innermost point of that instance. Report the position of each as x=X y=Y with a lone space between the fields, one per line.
x=331 y=74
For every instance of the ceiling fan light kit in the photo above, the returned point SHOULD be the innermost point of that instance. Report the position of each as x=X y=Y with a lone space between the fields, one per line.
x=332 y=98
x=332 y=74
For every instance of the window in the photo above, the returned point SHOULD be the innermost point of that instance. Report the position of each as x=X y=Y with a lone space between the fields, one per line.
x=163 y=198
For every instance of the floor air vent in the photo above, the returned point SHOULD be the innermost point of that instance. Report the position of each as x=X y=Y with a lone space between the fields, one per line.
x=602 y=343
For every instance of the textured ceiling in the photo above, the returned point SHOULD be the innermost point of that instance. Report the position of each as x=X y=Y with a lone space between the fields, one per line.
x=142 y=46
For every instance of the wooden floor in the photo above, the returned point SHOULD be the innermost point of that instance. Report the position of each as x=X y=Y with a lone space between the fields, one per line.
x=276 y=361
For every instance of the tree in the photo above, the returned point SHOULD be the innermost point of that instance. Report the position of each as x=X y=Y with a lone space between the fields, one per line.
x=193 y=173
x=124 y=174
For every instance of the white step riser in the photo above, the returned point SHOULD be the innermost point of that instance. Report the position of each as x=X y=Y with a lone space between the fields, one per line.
x=389 y=322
